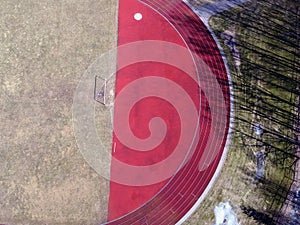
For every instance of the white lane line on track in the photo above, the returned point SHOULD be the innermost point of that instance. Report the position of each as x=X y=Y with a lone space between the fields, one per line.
x=204 y=13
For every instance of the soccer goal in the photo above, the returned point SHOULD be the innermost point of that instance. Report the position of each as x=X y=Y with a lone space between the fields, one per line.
x=100 y=90
x=104 y=90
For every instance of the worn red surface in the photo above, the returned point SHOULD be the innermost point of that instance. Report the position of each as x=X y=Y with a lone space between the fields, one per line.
x=167 y=201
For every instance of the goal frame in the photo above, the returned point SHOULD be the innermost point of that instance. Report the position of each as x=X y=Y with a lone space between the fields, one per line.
x=100 y=90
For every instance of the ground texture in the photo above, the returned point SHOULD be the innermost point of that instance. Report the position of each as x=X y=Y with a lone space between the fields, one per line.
x=45 y=48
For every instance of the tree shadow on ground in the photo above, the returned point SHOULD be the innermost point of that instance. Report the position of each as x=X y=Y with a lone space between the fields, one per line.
x=260 y=217
x=266 y=89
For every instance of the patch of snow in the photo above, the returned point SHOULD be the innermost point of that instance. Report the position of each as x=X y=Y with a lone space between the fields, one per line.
x=224 y=214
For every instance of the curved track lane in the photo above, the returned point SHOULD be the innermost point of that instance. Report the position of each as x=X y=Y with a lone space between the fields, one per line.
x=167 y=201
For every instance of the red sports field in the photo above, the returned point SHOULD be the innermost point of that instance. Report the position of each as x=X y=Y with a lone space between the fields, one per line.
x=193 y=136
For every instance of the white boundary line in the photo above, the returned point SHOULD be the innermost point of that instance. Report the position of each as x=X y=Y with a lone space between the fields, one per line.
x=205 y=18
x=115 y=145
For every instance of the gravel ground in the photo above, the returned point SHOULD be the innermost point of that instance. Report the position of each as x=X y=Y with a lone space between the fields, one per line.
x=45 y=48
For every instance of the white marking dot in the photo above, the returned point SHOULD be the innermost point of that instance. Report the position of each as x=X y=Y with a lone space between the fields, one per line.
x=138 y=16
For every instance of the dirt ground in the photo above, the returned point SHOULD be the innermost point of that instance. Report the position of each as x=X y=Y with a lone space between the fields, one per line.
x=45 y=48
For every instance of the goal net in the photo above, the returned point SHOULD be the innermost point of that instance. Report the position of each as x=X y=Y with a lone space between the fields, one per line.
x=104 y=90
x=100 y=94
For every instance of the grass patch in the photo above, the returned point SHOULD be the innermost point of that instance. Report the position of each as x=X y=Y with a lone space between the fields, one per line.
x=265 y=91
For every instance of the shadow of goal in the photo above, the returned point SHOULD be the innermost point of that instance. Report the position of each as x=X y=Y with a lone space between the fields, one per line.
x=104 y=95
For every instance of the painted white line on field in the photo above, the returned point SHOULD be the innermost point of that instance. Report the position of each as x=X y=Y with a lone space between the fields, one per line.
x=115 y=145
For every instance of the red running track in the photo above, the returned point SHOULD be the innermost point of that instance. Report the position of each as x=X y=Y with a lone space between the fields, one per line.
x=167 y=201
